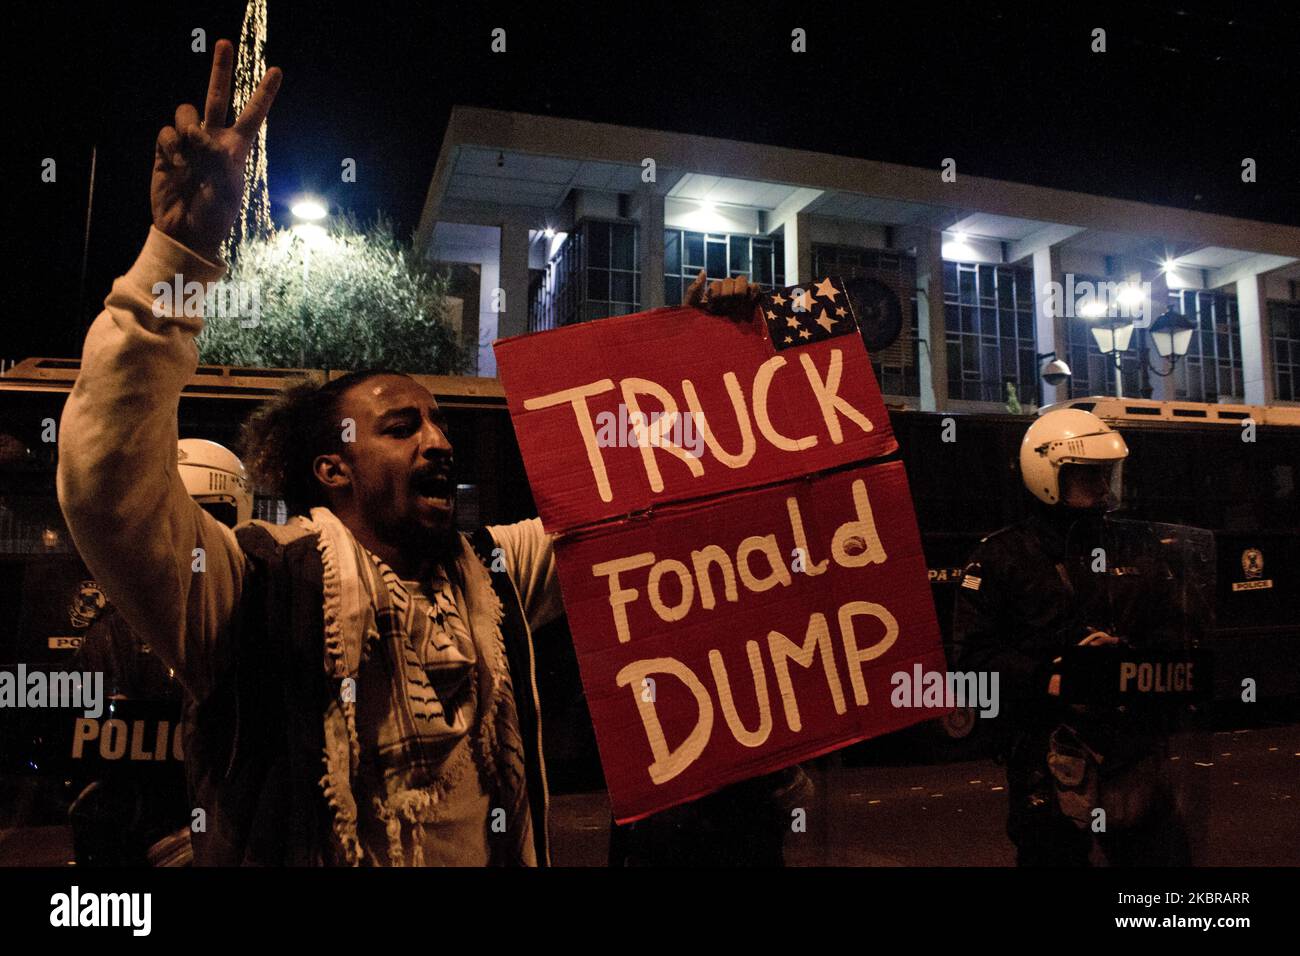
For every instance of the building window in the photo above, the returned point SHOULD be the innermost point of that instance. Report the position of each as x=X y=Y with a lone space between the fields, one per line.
x=610 y=262
x=557 y=291
x=896 y=366
x=1284 y=321
x=760 y=259
x=594 y=274
x=1212 y=369
x=989 y=317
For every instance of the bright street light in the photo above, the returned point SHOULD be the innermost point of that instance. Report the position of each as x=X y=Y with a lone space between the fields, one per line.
x=1171 y=334
x=309 y=210
x=307 y=213
x=1130 y=296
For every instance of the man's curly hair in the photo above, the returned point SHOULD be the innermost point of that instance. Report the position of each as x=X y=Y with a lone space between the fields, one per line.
x=279 y=441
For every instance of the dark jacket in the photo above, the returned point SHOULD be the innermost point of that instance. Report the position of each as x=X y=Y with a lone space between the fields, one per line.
x=130 y=669
x=254 y=747
x=1030 y=593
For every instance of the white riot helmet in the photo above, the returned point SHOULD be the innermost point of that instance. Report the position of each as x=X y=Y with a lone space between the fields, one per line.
x=1068 y=436
x=215 y=478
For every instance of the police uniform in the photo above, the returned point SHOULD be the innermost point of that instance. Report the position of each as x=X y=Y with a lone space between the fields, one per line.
x=119 y=817
x=1029 y=593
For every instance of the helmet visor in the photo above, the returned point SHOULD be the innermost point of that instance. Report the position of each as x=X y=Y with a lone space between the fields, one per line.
x=1093 y=486
x=223 y=511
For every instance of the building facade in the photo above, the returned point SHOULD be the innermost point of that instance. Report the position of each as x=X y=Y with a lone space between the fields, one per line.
x=569 y=221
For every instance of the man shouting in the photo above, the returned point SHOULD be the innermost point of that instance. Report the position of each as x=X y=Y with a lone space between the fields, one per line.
x=361 y=680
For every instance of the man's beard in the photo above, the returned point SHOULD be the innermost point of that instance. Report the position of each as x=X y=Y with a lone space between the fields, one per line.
x=419 y=540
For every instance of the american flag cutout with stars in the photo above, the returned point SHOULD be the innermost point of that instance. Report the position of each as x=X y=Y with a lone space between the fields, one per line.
x=804 y=314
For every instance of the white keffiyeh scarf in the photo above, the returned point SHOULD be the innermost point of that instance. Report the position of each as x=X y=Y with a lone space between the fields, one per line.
x=417 y=696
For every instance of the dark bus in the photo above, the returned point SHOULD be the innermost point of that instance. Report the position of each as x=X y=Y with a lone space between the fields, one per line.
x=1188 y=465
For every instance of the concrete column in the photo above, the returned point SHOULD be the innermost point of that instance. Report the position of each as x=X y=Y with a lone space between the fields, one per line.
x=513 y=319
x=489 y=282
x=650 y=245
x=798 y=249
x=932 y=355
x=1051 y=331
x=797 y=233
x=1258 y=380
x=503 y=294
x=930 y=321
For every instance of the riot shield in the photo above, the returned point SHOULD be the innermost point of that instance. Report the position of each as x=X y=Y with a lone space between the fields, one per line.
x=1179 y=562
x=1138 y=701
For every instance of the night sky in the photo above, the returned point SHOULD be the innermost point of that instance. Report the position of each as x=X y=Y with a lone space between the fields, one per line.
x=1012 y=91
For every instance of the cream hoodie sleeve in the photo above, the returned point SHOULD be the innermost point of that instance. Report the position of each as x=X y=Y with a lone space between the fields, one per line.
x=118 y=484
x=529 y=559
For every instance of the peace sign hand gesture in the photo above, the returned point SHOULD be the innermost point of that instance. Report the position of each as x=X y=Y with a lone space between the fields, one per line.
x=198 y=169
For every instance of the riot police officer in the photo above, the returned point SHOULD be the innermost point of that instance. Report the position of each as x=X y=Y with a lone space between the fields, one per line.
x=125 y=818
x=1030 y=594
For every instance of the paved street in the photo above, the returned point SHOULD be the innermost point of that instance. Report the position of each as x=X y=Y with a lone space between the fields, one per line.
x=1242 y=786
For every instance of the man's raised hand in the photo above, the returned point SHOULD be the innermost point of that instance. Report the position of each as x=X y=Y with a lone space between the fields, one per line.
x=198 y=168
x=733 y=297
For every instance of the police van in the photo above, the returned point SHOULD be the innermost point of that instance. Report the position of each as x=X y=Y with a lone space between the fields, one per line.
x=1226 y=468
x=1229 y=469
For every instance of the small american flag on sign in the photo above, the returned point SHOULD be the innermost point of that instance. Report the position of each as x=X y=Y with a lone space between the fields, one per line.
x=804 y=314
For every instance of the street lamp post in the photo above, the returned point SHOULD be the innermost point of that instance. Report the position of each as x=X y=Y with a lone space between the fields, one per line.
x=1171 y=334
x=307 y=215
x=1112 y=337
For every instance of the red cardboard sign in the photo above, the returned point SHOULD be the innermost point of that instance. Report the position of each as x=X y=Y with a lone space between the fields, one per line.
x=708 y=659
x=739 y=597
x=755 y=415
